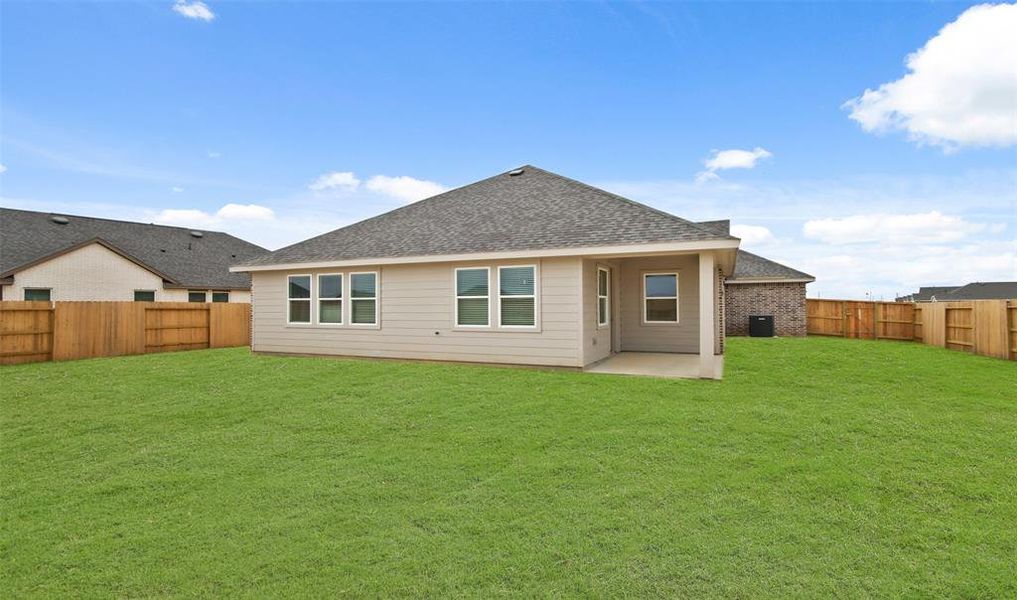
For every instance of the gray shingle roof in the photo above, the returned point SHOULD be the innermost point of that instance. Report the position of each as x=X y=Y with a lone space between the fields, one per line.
x=27 y=237
x=753 y=266
x=534 y=210
x=926 y=293
x=979 y=290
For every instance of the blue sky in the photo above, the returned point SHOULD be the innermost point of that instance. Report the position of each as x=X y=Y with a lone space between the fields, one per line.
x=302 y=117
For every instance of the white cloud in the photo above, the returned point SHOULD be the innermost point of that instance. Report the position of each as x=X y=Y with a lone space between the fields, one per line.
x=930 y=227
x=404 y=188
x=177 y=189
x=730 y=159
x=252 y=212
x=752 y=235
x=3 y=168
x=961 y=89
x=187 y=217
x=335 y=181
x=193 y=217
x=194 y=10
x=212 y=154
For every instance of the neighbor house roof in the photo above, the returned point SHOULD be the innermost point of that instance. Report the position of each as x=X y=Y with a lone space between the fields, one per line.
x=751 y=267
x=523 y=209
x=181 y=258
x=979 y=290
x=927 y=293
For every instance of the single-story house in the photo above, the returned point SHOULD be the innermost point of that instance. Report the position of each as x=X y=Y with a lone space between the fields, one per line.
x=760 y=286
x=46 y=256
x=525 y=267
x=978 y=290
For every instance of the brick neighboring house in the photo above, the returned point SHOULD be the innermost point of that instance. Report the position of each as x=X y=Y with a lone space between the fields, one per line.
x=760 y=286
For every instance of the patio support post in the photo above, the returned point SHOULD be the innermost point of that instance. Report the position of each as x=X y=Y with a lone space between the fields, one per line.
x=707 y=296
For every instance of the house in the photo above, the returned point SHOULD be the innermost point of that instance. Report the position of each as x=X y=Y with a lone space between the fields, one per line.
x=760 y=286
x=47 y=256
x=525 y=267
x=979 y=290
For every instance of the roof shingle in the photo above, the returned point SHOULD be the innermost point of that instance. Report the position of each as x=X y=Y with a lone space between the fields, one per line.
x=27 y=237
x=533 y=210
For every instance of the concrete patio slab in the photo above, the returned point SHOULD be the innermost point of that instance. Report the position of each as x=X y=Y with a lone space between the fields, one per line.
x=653 y=364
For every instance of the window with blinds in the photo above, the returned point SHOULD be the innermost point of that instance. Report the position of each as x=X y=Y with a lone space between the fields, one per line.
x=330 y=303
x=299 y=296
x=473 y=297
x=364 y=298
x=660 y=298
x=517 y=296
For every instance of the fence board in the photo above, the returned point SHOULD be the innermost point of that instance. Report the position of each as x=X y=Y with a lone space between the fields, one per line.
x=26 y=332
x=986 y=327
x=40 y=331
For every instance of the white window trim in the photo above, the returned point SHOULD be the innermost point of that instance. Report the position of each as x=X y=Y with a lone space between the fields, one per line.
x=606 y=297
x=677 y=314
x=377 y=301
x=154 y=296
x=212 y=293
x=456 y=297
x=309 y=299
x=204 y=292
x=318 y=299
x=535 y=296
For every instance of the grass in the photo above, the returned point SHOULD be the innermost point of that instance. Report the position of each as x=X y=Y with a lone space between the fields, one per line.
x=818 y=467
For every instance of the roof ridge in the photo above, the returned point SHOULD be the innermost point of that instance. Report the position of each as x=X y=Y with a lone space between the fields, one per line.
x=628 y=201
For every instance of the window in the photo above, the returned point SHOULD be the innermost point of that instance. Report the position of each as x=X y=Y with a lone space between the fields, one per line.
x=363 y=298
x=517 y=296
x=473 y=297
x=330 y=303
x=37 y=294
x=299 y=295
x=660 y=297
x=603 y=296
x=144 y=296
x=220 y=296
x=193 y=296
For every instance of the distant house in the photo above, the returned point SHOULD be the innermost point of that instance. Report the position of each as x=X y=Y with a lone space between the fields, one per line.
x=525 y=267
x=760 y=286
x=979 y=290
x=47 y=256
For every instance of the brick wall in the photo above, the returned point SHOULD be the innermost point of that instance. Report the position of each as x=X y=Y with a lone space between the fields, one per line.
x=785 y=301
x=718 y=322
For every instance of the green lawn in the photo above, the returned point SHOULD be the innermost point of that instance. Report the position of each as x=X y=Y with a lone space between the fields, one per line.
x=818 y=467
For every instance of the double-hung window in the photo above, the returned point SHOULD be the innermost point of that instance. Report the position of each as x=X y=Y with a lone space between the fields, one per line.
x=299 y=296
x=363 y=298
x=473 y=297
x=330 y=299
x=517 y=296
x=660 y=297
x=603 y=296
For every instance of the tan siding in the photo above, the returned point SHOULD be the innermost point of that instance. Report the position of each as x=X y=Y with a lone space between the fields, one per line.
x=639 y=337
x=416 y=318
x=596 y=340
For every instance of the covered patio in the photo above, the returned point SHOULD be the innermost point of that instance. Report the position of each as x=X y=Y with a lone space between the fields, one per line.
x=658 y=315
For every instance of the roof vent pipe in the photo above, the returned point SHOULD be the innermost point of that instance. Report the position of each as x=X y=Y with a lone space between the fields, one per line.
x=59 y=220
x=197 y=234
x=515 y=172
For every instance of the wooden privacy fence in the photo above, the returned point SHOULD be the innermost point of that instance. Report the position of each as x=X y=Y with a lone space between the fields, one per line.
x=40 y=331
x=986 y=327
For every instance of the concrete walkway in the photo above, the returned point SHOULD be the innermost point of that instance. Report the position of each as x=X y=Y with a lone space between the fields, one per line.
x=654 y=364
